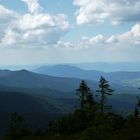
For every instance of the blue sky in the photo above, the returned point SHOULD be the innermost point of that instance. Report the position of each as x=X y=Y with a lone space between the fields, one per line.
x=69 y=31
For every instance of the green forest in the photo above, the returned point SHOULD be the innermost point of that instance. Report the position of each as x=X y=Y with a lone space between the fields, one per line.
x=92 y=119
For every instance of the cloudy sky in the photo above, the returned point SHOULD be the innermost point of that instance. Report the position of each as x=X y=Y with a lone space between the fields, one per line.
x=64 y=31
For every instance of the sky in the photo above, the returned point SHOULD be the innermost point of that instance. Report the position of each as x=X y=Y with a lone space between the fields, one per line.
x=69 y=31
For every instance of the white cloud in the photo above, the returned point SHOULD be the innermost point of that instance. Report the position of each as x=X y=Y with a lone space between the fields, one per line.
x=136 y=34
x=124 y=41
x=116 y=11
x=33 y=29
x=121 y=47
x=33 y=6
x=37 y=29
x=97 y=39
x=112 y=39
x=6 y=15
x=131 y=37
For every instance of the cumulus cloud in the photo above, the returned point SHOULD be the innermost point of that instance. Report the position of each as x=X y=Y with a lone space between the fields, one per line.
x=112 y=39
x=33 y=6
x=132 y=37
x=32 y=29
x=98 y=11
x=6 y=15
x=97 y=39
x=37 y=29
x=127 y=40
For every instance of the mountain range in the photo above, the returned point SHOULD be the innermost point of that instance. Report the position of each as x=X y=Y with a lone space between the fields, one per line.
x=27 y=79
x=49 y=91
x=109 y=66
x=120 y=77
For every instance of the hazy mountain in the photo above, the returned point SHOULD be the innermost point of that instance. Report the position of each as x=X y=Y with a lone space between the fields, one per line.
x=100 y=66
x=71 y=71
x=4 y=72
x=132 y=82
x=110 y=66
x=122 y=75
x=26 y=79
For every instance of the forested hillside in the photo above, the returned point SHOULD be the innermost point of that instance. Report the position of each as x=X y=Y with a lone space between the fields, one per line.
x=92 y=119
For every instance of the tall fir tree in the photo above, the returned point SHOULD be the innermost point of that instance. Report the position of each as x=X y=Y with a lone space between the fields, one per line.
x=87 y=105
x=85 y=95
x=104 y=90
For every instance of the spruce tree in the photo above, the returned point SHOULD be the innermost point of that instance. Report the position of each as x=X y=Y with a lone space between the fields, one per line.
x=81 y=92
x=104 y=90
x=85 y=95
x=89 y=99
x=87 y=110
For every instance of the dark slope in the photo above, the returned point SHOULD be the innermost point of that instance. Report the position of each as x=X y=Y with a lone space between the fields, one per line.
x=36 y=112
x=17 y=102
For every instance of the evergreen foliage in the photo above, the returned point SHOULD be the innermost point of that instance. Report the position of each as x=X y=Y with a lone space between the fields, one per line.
x=104 y=90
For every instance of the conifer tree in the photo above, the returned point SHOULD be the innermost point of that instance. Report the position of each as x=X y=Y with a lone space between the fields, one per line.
x=104 y=90
x=86 y=96
x=81 y=92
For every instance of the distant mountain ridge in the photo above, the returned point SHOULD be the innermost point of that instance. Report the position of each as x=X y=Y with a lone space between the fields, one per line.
x=72 y=71
x=66 y=79
x=110 y=66
x=69 y=71
x=27 y=79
